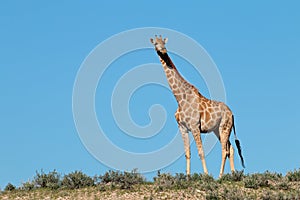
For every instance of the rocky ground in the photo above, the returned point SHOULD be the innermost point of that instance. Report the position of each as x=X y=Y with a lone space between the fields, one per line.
x=116 y=185
x=226 y=190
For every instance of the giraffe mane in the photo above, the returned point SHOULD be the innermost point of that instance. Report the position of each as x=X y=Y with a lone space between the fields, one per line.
x=166 y=58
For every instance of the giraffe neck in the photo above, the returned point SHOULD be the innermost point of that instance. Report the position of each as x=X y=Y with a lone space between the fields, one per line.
x=176 y=82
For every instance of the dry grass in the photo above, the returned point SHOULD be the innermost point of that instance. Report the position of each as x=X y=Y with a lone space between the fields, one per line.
x=165 y=186
x=150 y=191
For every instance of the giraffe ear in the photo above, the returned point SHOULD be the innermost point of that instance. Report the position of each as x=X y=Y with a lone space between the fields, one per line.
x=165 y=40
x=151 y=40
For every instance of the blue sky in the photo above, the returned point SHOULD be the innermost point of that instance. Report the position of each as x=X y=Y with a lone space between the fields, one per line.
x=255 y=46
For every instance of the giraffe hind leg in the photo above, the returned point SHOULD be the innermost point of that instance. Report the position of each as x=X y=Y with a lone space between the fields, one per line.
x=231 y=156
x=229 y=152
x=226 y=149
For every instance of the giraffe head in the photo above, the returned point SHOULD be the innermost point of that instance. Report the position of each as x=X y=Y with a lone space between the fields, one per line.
x=159 y=44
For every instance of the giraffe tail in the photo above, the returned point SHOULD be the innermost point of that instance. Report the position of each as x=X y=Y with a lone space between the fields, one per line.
x=238 y=144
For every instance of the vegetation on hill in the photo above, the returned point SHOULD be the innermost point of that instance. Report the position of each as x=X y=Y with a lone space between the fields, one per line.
x=132 y=185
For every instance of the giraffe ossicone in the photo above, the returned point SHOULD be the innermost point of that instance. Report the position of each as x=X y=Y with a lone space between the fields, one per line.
x=197 y=114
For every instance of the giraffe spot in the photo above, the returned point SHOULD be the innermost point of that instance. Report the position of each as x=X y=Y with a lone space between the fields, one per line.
x=185 y=107
x=190 y=110
x=182 y=104
x=202 y=107
x=202 y=117
x=191 y=96
x=214 y=116
x=194 y=114
x=188 y=103
x=181 y=115
x=196 y=100
x=211 y=123
x=190 y=100
x=179 y=98
x=194 y=105
x=207 y=116
x=188 y=91
x=201 y=113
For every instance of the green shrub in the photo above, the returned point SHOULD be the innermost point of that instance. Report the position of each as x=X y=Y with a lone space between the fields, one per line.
x=255 y=181
x=182 y=181
x=111 y=177
x=283 y=185
x=181 y=177
x=293 y=176
x=250 y=183
x=233 y=177
x=76 y=180
x=50 y=180
x=212 y=195
x=27 y=186
x=231 y=193
x=206 y=178
x=266 y=179
x=272 y=176
x=267 y=195
x=195 y=177
x=130 y=179
x=9 y=187
x=121 y=180
x=208 y=184
x=164 y=181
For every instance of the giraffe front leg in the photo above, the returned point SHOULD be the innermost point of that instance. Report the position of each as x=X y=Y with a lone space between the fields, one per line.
x=197 y=136
x=186 y=142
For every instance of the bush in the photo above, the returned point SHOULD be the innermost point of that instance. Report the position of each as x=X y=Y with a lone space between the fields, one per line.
x=207 y=183
x=293 y=176
x=231 y=193
x=263 y=180
x=272 y=176
x=76 y=180
x=9 y=187
x=233 y=177
x=195 y=177
x=206 y=178
x=212 y=195
x=256 y=180
x=182 y=181
x=122 y=180
x=164 y=181
x=283 y=185
x=130 y=179
x=50 y=180
x=27 y=186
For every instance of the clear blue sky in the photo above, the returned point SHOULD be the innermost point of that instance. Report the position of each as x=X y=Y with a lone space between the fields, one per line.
x=256 y=46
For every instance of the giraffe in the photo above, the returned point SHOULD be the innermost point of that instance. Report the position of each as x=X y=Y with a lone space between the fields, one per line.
x=197 y=114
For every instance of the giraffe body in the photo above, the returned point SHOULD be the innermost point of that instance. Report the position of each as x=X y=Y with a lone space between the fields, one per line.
x=195 y=113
